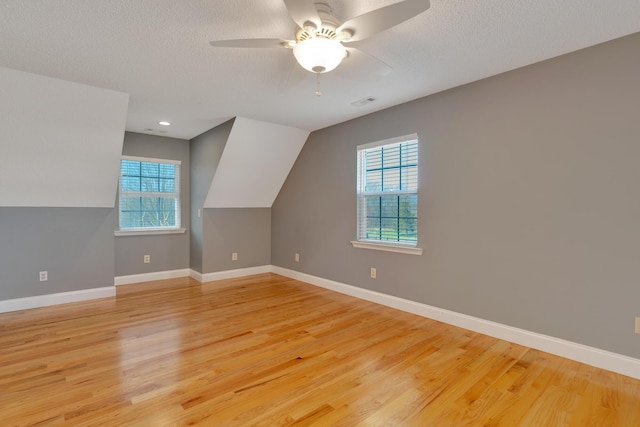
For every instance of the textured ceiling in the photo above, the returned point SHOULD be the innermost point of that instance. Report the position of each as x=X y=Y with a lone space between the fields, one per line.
x=158 y=52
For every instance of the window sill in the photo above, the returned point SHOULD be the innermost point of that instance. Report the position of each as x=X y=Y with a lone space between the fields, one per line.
x=148 y=231
x=402 y=249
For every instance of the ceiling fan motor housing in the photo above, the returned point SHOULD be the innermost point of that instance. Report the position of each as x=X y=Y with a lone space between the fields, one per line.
x=328 y=25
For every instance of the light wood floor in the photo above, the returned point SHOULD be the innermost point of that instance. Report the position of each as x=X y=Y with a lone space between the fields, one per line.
x=267 y=350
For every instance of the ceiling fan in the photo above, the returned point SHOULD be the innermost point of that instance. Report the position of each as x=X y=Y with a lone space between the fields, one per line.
x=322 y=41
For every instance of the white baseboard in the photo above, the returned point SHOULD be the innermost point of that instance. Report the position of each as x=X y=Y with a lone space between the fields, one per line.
x=195 y=275
x=230 y=274
x=186 y=272
x=149 y=277
x=603 y=359
x=54 y=299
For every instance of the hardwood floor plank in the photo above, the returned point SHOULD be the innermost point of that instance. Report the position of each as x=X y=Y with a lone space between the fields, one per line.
x=267 y=350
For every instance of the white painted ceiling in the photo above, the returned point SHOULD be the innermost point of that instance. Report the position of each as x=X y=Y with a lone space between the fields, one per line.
x=158 y=52
x=60 y=142
x=255 y=163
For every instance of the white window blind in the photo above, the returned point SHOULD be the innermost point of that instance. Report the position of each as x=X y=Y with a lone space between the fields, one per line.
x=149 y=193
x=388 y=191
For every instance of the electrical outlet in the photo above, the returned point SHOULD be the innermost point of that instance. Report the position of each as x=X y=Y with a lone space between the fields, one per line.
x=234 y=256
x=44 y=276
x=637 y=325
x=199 y=213
x=374 y=273
x=147 y=259
x=297 y=257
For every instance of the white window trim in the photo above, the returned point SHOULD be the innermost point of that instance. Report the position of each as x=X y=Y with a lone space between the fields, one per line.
x=150 y=231
x=378 y=246
x=388 y=141
x=151 y=160
x=397 y=247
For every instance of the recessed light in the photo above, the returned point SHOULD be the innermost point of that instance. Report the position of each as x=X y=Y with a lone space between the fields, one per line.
x=164 y=123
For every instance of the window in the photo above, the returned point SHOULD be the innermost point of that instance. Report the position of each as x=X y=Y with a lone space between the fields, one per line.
x=149 y=194
x=388 y=193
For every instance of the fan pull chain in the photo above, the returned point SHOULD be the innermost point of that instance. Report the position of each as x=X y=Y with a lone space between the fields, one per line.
x=318 y=91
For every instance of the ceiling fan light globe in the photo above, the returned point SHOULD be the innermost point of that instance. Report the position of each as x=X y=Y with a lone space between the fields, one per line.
x=319 y=55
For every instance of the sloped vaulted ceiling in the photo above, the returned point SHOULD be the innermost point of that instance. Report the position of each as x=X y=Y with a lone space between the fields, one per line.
x=255 y=163
x=158 y=51
x=60 y=142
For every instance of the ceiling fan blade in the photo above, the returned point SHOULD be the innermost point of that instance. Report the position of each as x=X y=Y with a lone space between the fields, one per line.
x=378 y=20
x=302 y=11
x=366 y=62
x=252 y=43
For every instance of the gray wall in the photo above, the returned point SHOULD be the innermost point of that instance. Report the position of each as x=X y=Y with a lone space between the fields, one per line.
x=167 y=251
x=246 y=231
x=75 y=246
x=528 y=203
x=206 y=150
